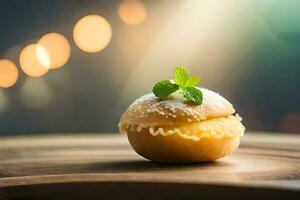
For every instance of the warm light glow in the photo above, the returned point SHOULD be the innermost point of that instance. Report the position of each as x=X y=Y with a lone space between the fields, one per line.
x=57 y=47
x=8 y=73
x=132 y=12
x=191 y=29
x=35 y=94
x=92 y=33
x=34 y=60
x=3 y=101
x=43 y=56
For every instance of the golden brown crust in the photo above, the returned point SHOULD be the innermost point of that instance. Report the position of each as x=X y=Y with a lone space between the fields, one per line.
x=175 y=149
x=150 y=111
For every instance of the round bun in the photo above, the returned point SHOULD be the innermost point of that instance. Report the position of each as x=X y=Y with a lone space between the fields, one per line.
x=148 y=110
x=177 y=131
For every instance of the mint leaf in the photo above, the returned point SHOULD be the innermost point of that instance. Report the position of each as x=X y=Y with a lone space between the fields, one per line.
x=192 y=81
x=164 y=88
x=183 y=83
x=180 y=76
x=193 y=94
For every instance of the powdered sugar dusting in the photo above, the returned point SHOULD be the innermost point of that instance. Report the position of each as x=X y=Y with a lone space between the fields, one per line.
x=174 y=101
x=168 y=108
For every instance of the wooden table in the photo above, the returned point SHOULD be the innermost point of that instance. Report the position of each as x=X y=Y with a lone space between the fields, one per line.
x=103 y=166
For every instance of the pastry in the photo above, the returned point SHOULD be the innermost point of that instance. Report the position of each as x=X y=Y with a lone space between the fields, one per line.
x=177 y=130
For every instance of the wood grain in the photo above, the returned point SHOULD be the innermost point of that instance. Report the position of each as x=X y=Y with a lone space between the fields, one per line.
x=93 y=166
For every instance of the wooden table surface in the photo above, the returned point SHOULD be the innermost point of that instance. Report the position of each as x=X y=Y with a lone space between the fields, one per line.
x=95 y=166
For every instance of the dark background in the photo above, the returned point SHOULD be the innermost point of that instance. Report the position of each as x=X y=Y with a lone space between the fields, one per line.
x=248 y=51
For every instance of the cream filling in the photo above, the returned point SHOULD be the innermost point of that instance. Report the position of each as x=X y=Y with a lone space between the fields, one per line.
x=216 y=128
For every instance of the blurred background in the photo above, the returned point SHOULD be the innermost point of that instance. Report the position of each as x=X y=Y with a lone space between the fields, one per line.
x=75 y=65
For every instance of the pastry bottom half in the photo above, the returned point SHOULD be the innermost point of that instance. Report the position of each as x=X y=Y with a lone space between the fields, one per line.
x=188 y=143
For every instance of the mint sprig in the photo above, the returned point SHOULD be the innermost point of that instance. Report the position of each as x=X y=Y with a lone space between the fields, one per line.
x=193 y=94
x=164 y=88
x=180 y=76
x=183 y=83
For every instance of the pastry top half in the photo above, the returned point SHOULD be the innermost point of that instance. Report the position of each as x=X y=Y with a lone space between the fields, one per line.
x=148 y=110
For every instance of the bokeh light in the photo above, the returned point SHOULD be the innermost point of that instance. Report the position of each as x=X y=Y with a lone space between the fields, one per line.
x=92 y=33
x=35 y=94
x=8 y=73
x=132 y=12
x=43 y=56
x=34 y=60
x=3 y=101
x=57 y=47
